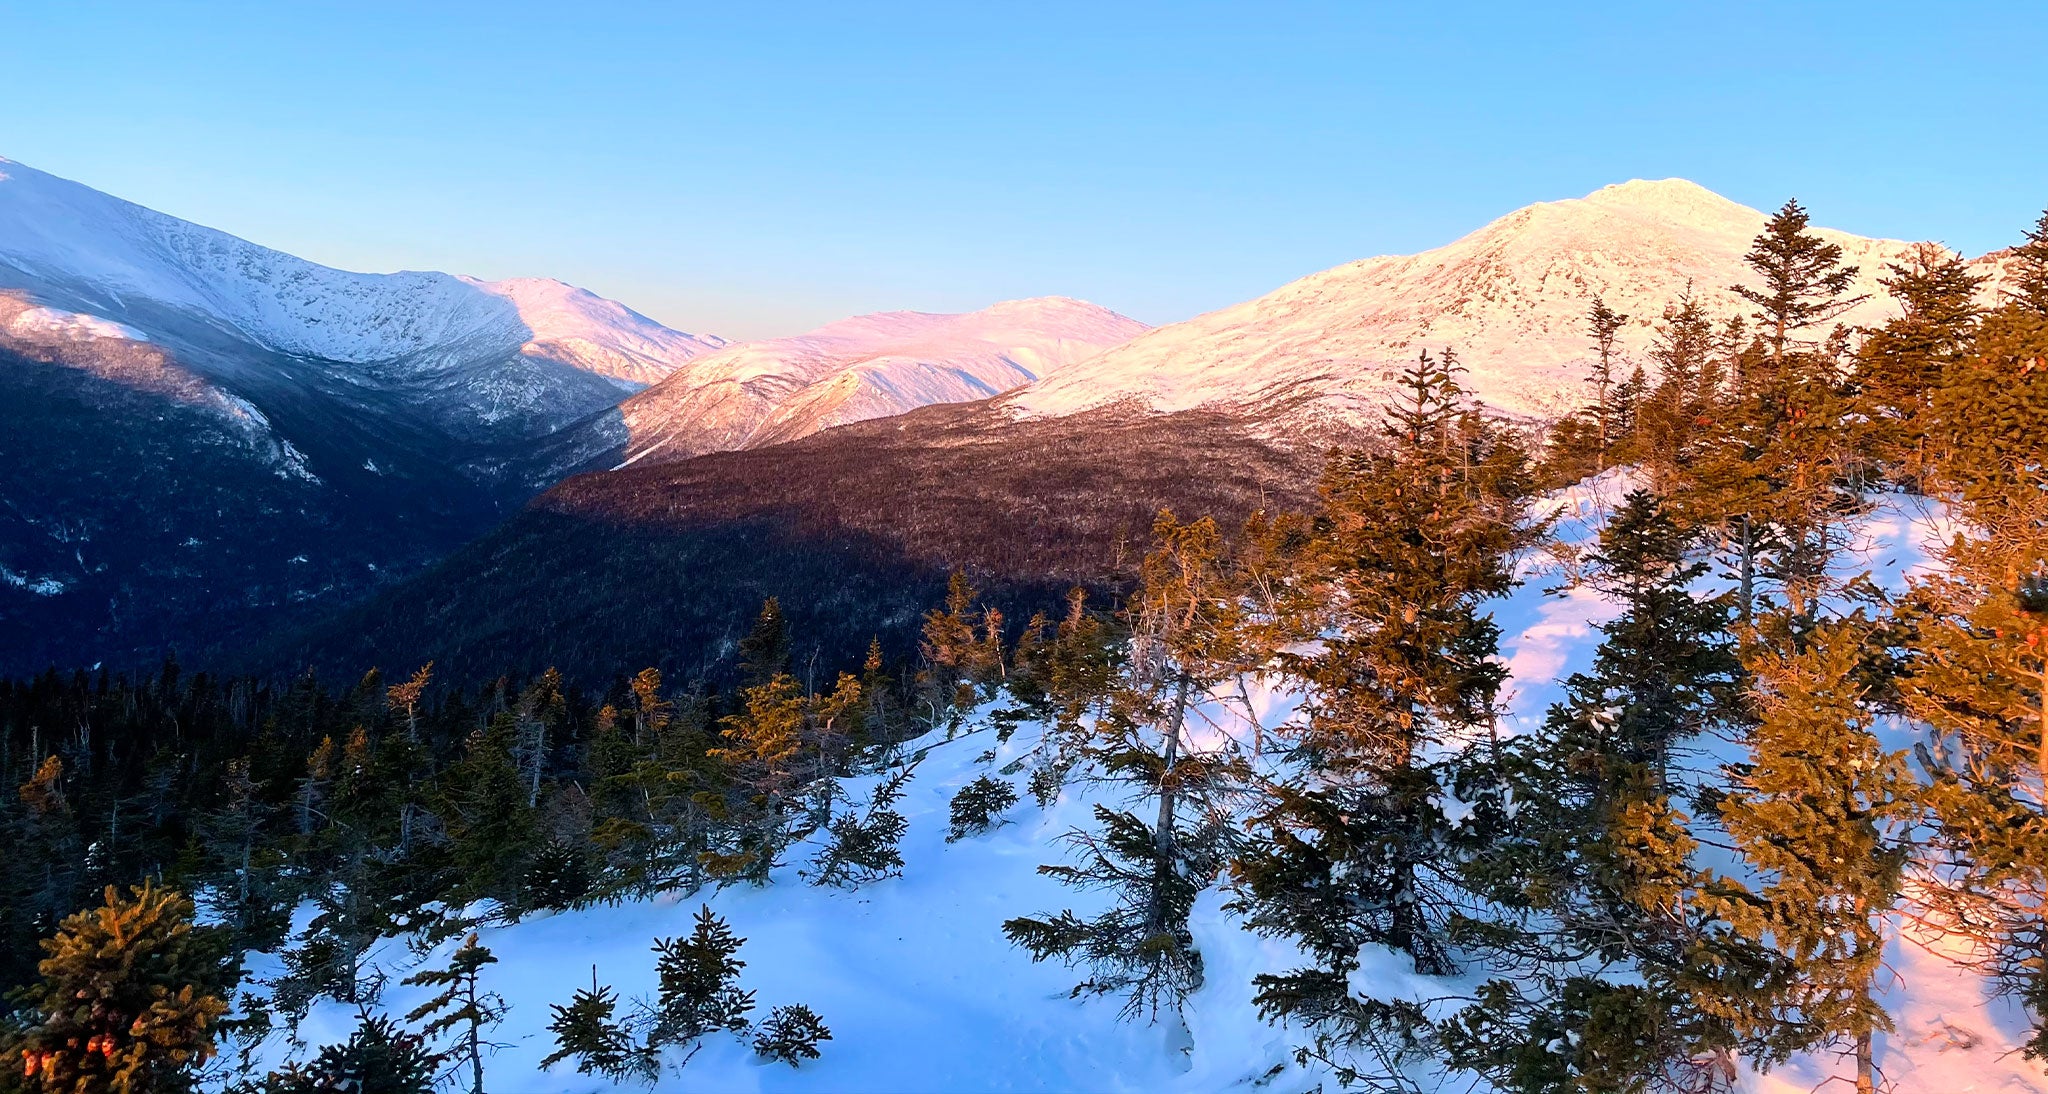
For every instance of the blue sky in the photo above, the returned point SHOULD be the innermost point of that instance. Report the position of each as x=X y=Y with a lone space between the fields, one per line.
x=753 y=169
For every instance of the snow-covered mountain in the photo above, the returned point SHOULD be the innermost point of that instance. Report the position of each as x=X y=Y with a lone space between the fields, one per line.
x=1510 y=298
x=870 y=366
x=202 y=439
x=486 y=359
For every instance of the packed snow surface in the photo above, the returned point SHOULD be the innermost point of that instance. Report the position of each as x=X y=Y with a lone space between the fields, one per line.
x=922 y=991
x=1511 y=299
x=869 y=366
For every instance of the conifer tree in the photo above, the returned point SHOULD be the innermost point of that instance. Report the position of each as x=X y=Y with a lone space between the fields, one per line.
x=764 y=652
x=1900 y=365
x=1804 y=281
x=2029 y=290
x=791 y=1035
x=461 y=1006
x=1185 y=642
x=249 y=891
x=1578 y=844
x=586 y=1032
x=379 y=1057
x=482 y=804
x=1674 y=417
x=1605 y=325
x=1822 y=815
x=128 y=999
x=1410 y=543
x=1977 y=675
x=867 y=846
x=698 y=988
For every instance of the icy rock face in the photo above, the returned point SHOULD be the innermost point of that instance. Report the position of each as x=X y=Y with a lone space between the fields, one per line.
x=1511 y=299
x=870 y=366
x=484 y=352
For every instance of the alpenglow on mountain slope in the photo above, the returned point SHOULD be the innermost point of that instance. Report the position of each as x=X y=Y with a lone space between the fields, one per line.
x=869 y=366
x=1511 y=299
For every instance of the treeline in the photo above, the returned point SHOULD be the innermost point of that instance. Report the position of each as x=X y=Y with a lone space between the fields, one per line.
x=403 y=809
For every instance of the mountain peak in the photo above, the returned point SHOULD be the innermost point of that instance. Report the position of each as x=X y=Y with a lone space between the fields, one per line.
x=1678 y=200
x=1510 y=298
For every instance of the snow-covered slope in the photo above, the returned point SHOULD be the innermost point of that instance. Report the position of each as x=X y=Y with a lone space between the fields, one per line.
x=869 y=366
x=508 y=352
x=923 y=992
x=1511 y=299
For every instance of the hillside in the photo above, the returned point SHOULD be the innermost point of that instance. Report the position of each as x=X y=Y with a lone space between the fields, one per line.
x=922 y=991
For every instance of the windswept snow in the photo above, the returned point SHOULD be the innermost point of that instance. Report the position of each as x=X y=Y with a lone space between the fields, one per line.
x=870 y=366
x=1510 y=299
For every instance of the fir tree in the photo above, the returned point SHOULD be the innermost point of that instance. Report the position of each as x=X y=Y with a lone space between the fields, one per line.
x=1823 y=816
x=764 y=652
x=2029 y=270
x=1185 y=641
x=128 y=999
x=461 y=1006
x=698 y=986
x=978 y=807
x=586 y=1032
x=1804 y=281
x=1578 y=846
x=380 y=1057
x=1604 y=323
x=866 y=847
x=1410 y=543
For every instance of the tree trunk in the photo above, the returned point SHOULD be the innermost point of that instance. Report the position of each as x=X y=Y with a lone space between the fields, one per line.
x=1866 y=1063
x=1748 y=571
x=1169 y=801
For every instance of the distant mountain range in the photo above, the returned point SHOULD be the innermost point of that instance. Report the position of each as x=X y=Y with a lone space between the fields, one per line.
x=207 y=439
x=212 y=441
x=870 y=366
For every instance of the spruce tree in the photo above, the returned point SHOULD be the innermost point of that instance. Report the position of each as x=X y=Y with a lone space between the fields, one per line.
x=866 y=847
x=1976 y=673
x=764 y=652
x=461 y=1007
x=128 y=999
x=1605 y=325
x=2029 y=268
x=1804 y=283
x=1580 y=849
x=791 y=1035
x=380 y=1057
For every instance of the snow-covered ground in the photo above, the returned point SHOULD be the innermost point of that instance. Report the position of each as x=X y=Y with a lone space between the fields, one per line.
x=923 y=992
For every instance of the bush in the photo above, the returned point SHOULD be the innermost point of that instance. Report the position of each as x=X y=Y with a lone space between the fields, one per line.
x=978 y=806
x=791 y=1034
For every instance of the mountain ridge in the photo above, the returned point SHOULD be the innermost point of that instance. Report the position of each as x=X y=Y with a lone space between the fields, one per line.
x=1509 y=298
